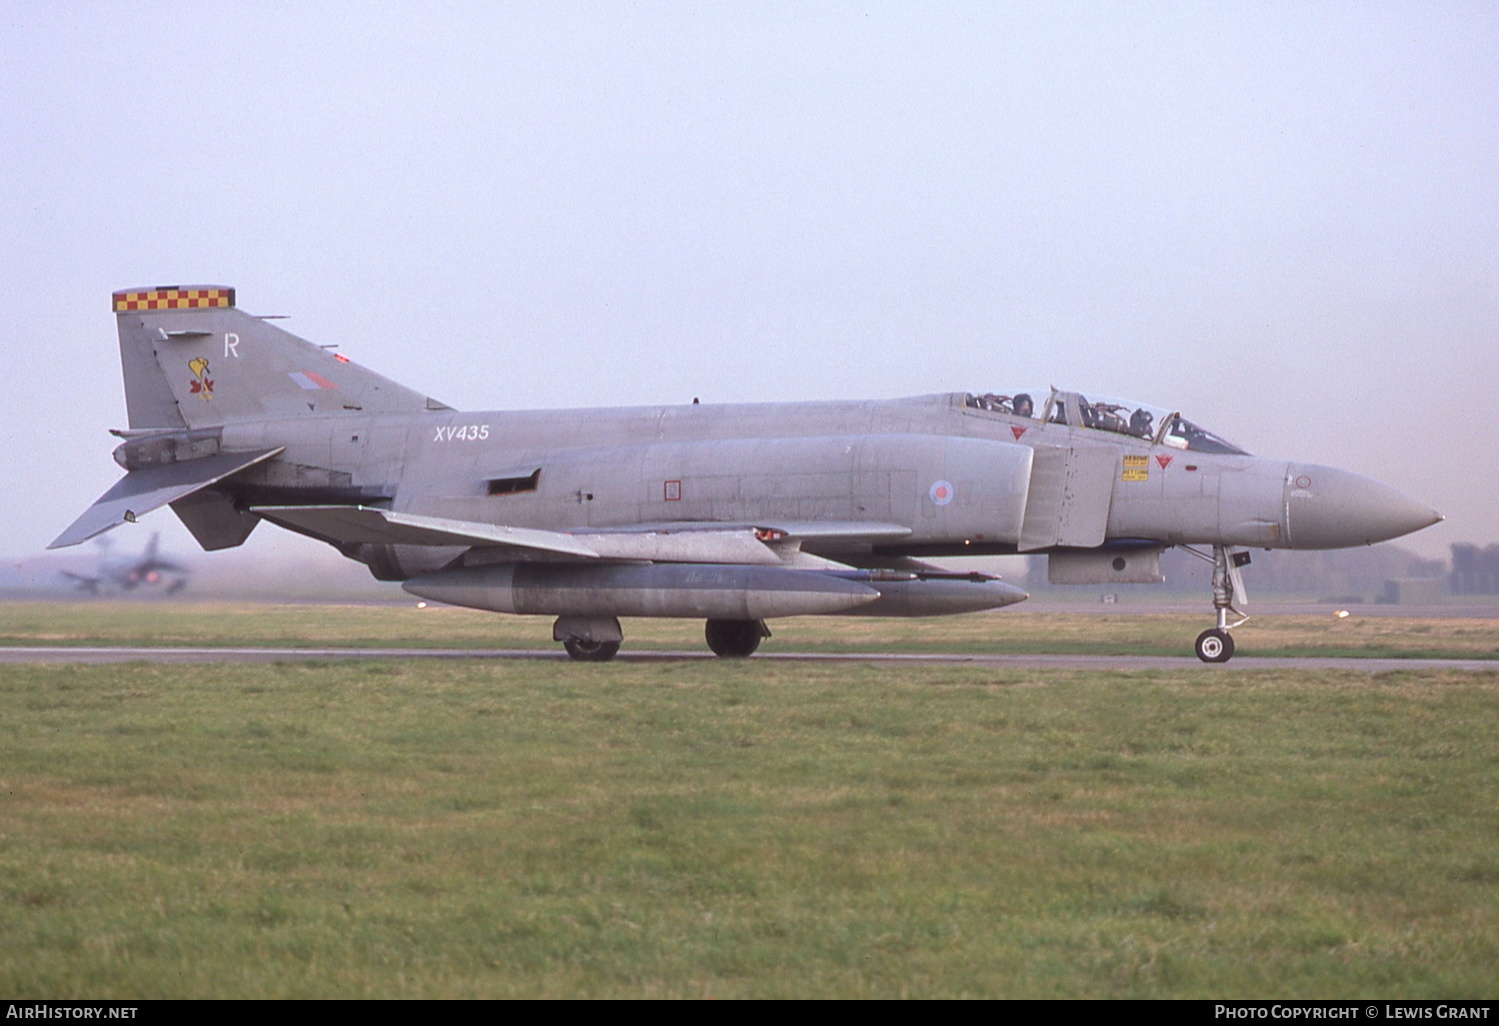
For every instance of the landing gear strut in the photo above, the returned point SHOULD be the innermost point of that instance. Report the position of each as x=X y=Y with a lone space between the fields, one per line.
x=1217 y=645
x=735 y=639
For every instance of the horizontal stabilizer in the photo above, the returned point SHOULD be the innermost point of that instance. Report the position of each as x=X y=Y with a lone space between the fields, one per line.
x=141 y=491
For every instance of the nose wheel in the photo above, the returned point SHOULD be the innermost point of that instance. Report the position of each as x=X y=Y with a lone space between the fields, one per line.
x=1217 y=645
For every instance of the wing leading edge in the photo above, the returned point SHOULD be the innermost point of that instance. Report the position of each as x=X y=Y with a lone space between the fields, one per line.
x=762 y=545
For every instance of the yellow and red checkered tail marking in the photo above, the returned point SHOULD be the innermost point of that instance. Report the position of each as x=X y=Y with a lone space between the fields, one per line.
x=176 y=297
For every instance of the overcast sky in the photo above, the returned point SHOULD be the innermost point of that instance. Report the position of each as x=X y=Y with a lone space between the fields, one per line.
x=1282 y=219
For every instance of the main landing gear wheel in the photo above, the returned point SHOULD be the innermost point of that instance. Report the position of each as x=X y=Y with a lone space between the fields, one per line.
x=591 y=651
x=735 y=639
x=1215 y=646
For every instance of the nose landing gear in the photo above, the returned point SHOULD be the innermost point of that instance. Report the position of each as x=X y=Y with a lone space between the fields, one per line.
x=1216 y=645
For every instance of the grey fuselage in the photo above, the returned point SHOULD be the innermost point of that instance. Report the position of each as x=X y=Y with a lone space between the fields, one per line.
x=964 y=480
x=732 y=513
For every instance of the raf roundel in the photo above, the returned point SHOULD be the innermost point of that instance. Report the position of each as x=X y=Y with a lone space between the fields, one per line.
x=940 y=493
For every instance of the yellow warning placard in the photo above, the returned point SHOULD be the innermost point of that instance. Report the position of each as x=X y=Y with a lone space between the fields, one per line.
x=1136 y=468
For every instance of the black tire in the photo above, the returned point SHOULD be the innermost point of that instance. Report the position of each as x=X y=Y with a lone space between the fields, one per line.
x=734 y=639
x=591 y=651
x=1215 y=646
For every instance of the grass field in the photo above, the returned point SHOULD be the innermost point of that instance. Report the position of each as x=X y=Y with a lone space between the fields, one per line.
x=709 y=829
x=405 y=626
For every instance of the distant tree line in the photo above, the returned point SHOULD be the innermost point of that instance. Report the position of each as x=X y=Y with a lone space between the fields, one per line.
x=1475 y=571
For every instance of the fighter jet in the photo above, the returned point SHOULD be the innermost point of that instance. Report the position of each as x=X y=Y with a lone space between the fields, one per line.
x=733 y=514
x=127 y=573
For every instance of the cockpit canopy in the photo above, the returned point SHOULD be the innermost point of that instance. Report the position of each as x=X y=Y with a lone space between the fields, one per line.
x=1104 y=413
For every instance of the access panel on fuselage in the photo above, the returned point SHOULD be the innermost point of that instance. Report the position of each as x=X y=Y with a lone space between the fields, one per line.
x=1071 y=489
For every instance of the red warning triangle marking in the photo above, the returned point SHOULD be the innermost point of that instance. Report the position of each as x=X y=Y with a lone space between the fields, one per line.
x=1017 y=431
x=1164 y=461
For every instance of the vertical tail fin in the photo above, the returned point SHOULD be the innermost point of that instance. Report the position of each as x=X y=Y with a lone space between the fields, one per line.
x=192 y=359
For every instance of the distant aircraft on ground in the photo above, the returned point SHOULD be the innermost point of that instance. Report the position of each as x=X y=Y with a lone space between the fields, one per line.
x=127 y=573
x=735 y=514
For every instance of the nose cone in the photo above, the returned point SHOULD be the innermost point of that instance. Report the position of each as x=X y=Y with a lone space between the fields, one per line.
x=1333 y=509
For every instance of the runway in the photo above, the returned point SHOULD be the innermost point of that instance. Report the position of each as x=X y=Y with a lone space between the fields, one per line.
x=60 y=654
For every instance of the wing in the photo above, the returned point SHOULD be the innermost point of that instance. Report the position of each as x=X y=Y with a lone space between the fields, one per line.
x=84 y=582
x=359 y=525
x=741 y=543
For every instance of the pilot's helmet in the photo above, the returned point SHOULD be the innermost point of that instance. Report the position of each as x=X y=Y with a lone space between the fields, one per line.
x=1023 y=405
